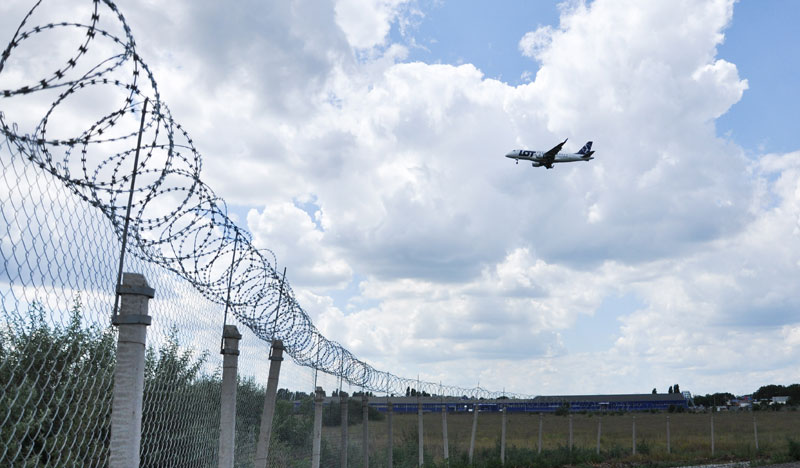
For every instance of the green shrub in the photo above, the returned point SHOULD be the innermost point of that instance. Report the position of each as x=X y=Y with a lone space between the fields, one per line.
x=643 y=447
x=794 y=449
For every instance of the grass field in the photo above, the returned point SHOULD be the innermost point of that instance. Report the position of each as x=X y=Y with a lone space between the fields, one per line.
x=690 y=436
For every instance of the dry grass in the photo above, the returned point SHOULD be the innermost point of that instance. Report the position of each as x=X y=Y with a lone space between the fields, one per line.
x=690 y=436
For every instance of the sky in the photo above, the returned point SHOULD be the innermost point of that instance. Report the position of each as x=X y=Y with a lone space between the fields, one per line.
x=362 y=141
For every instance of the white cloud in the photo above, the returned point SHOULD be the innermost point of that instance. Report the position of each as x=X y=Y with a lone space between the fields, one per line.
x=291 y=233
x=667 y=203
x=466 y=261
x=469 y=258
x=366 y=23
x=536 y=42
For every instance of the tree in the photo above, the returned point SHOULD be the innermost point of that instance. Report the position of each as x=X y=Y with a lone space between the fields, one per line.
x=670 y=390
x=676 y=389
x=294 y=429
x=766 y=392
x=174 y=382
x=56 y=389
x=654 y=391
x=715 y=399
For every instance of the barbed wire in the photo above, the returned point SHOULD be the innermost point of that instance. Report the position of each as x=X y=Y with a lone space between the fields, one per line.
x=177 y=221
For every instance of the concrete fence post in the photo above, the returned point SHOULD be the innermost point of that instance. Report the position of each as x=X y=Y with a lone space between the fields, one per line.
x=570 y=432
x=365 y=429
x=755 y=431
x=712 y=432
x=126 y=410
x=265 y=431
x=319 y=398
x=634 y=434
x=227 y=411
x=444 y=433
x=390 y=409
x=541 y=417
x=504 y=420
x=474 y=429
x=599 y=430
x=421 y=446
x=669 y=442
x=343 y=403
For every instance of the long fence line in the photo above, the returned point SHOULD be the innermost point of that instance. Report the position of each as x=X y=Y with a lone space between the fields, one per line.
x=493 y=437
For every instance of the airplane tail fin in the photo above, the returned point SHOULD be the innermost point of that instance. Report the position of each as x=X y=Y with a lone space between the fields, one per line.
x=586 y=152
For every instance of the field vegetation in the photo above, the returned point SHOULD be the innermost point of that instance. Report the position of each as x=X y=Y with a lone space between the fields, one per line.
x=690 y=439
x=55 y=399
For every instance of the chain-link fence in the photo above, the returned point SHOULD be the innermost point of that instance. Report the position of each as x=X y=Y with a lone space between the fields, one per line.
x=92 y=164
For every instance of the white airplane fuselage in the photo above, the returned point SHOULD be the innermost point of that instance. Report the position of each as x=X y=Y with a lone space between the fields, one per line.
x=552 y=156
x=537 y=157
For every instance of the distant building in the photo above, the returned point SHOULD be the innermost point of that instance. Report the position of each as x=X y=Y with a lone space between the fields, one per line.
x=634 y=402
x=780 y=400
x=741 y=402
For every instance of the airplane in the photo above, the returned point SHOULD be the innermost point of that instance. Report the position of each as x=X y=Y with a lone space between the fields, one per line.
x=548 y=158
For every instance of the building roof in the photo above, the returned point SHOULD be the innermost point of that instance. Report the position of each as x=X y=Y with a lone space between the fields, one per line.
x=610 y=398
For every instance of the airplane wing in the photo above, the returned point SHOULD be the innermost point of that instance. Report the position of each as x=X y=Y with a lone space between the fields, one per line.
x=550 y=155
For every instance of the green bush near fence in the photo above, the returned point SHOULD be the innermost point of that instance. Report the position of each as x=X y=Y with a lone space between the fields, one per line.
x=56 y=385
x=55 y=390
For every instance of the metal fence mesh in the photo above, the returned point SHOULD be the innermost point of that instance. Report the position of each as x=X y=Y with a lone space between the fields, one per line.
x=57 y=349
x=176 y=222
x=58 y=346
x=72 y=93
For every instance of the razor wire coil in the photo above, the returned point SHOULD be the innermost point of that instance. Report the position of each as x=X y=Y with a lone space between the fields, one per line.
x=177 y=222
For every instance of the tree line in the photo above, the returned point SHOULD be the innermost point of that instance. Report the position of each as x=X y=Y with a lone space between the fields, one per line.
x=765 y=392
